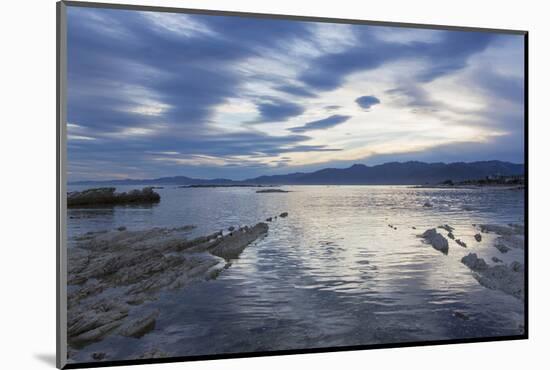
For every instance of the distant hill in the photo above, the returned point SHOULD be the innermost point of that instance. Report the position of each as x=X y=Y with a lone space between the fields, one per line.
x=392 y=173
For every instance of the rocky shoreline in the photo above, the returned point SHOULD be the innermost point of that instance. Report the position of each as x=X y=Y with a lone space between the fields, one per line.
x=113 y=274
x=510 y=278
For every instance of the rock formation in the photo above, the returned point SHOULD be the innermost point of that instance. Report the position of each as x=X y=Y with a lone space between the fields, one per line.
x=108 y=196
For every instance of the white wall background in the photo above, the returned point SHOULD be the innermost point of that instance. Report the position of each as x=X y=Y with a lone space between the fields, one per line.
x=27 y=209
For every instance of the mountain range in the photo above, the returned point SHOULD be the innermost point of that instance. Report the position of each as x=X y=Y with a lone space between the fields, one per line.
x=392 y=173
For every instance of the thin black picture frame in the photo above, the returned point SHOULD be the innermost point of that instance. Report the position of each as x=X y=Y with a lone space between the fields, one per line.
x=61 y=136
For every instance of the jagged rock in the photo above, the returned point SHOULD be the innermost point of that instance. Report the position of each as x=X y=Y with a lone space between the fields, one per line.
x=510 y=229
x=103 y=196
x=508 y=279
x=477 y=237
x=98 y=356
x=284 y=214
x=436 y=240
x=231 y=228
x=474 y=263
x=140 y=326
x=502 y=248
x=461 y=243
x=446 y=228
x=450 y=235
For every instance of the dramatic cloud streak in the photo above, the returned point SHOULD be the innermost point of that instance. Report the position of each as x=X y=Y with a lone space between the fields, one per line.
x=321 y=124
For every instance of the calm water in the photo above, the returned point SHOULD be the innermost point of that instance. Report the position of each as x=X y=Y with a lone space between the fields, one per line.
x=331 y=274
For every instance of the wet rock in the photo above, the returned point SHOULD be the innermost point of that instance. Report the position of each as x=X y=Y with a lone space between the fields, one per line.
x=508 y=279
x=154 y=353
x=450 y=235
x=234 y=244
x=508 y=242
x=477 y=237
x=510 y=229
x=231 y=228
x=139 y=326
x=474 y=263
x=427 y=205
x=446 y=228
x=517 y=267
x=414 y=228
x=502 y=248
x=269 y=219
x=272 y=191
x=121 y=228
x=496 y=260
x=284 y=214
x=461 y=243
x=461 y=315
x=438 y=241
x=98 y=356
x=107 y=196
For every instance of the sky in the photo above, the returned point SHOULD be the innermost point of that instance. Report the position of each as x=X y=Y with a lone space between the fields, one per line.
x=154 y=94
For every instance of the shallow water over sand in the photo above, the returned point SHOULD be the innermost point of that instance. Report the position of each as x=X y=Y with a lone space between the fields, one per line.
x=331 y=274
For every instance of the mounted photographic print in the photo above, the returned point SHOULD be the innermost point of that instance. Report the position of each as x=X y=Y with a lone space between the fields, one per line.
x=235 y=184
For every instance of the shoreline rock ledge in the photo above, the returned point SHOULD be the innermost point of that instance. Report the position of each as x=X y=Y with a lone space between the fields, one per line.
x=506 y=278
x=107 y=196
x=113 y=275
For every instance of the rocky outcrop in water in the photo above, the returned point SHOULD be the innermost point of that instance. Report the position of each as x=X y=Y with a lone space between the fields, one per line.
x=509 y=237
x=272 y=191
x=438 y=241
x=461 y=243
x=108 y=196
x=508 y=279
x=447 y=228
x=113 y=274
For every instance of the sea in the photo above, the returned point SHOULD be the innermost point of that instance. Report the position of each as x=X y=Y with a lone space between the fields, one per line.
x=334 y=273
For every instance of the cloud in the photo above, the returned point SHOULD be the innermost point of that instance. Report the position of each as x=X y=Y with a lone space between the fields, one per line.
x=297 y=90
x=446 y=52
x=277 y=111
x=367 y=101
x=321 y=124
x=143 y=85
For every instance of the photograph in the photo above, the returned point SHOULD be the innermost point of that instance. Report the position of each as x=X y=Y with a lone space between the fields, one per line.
x=240 y=184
